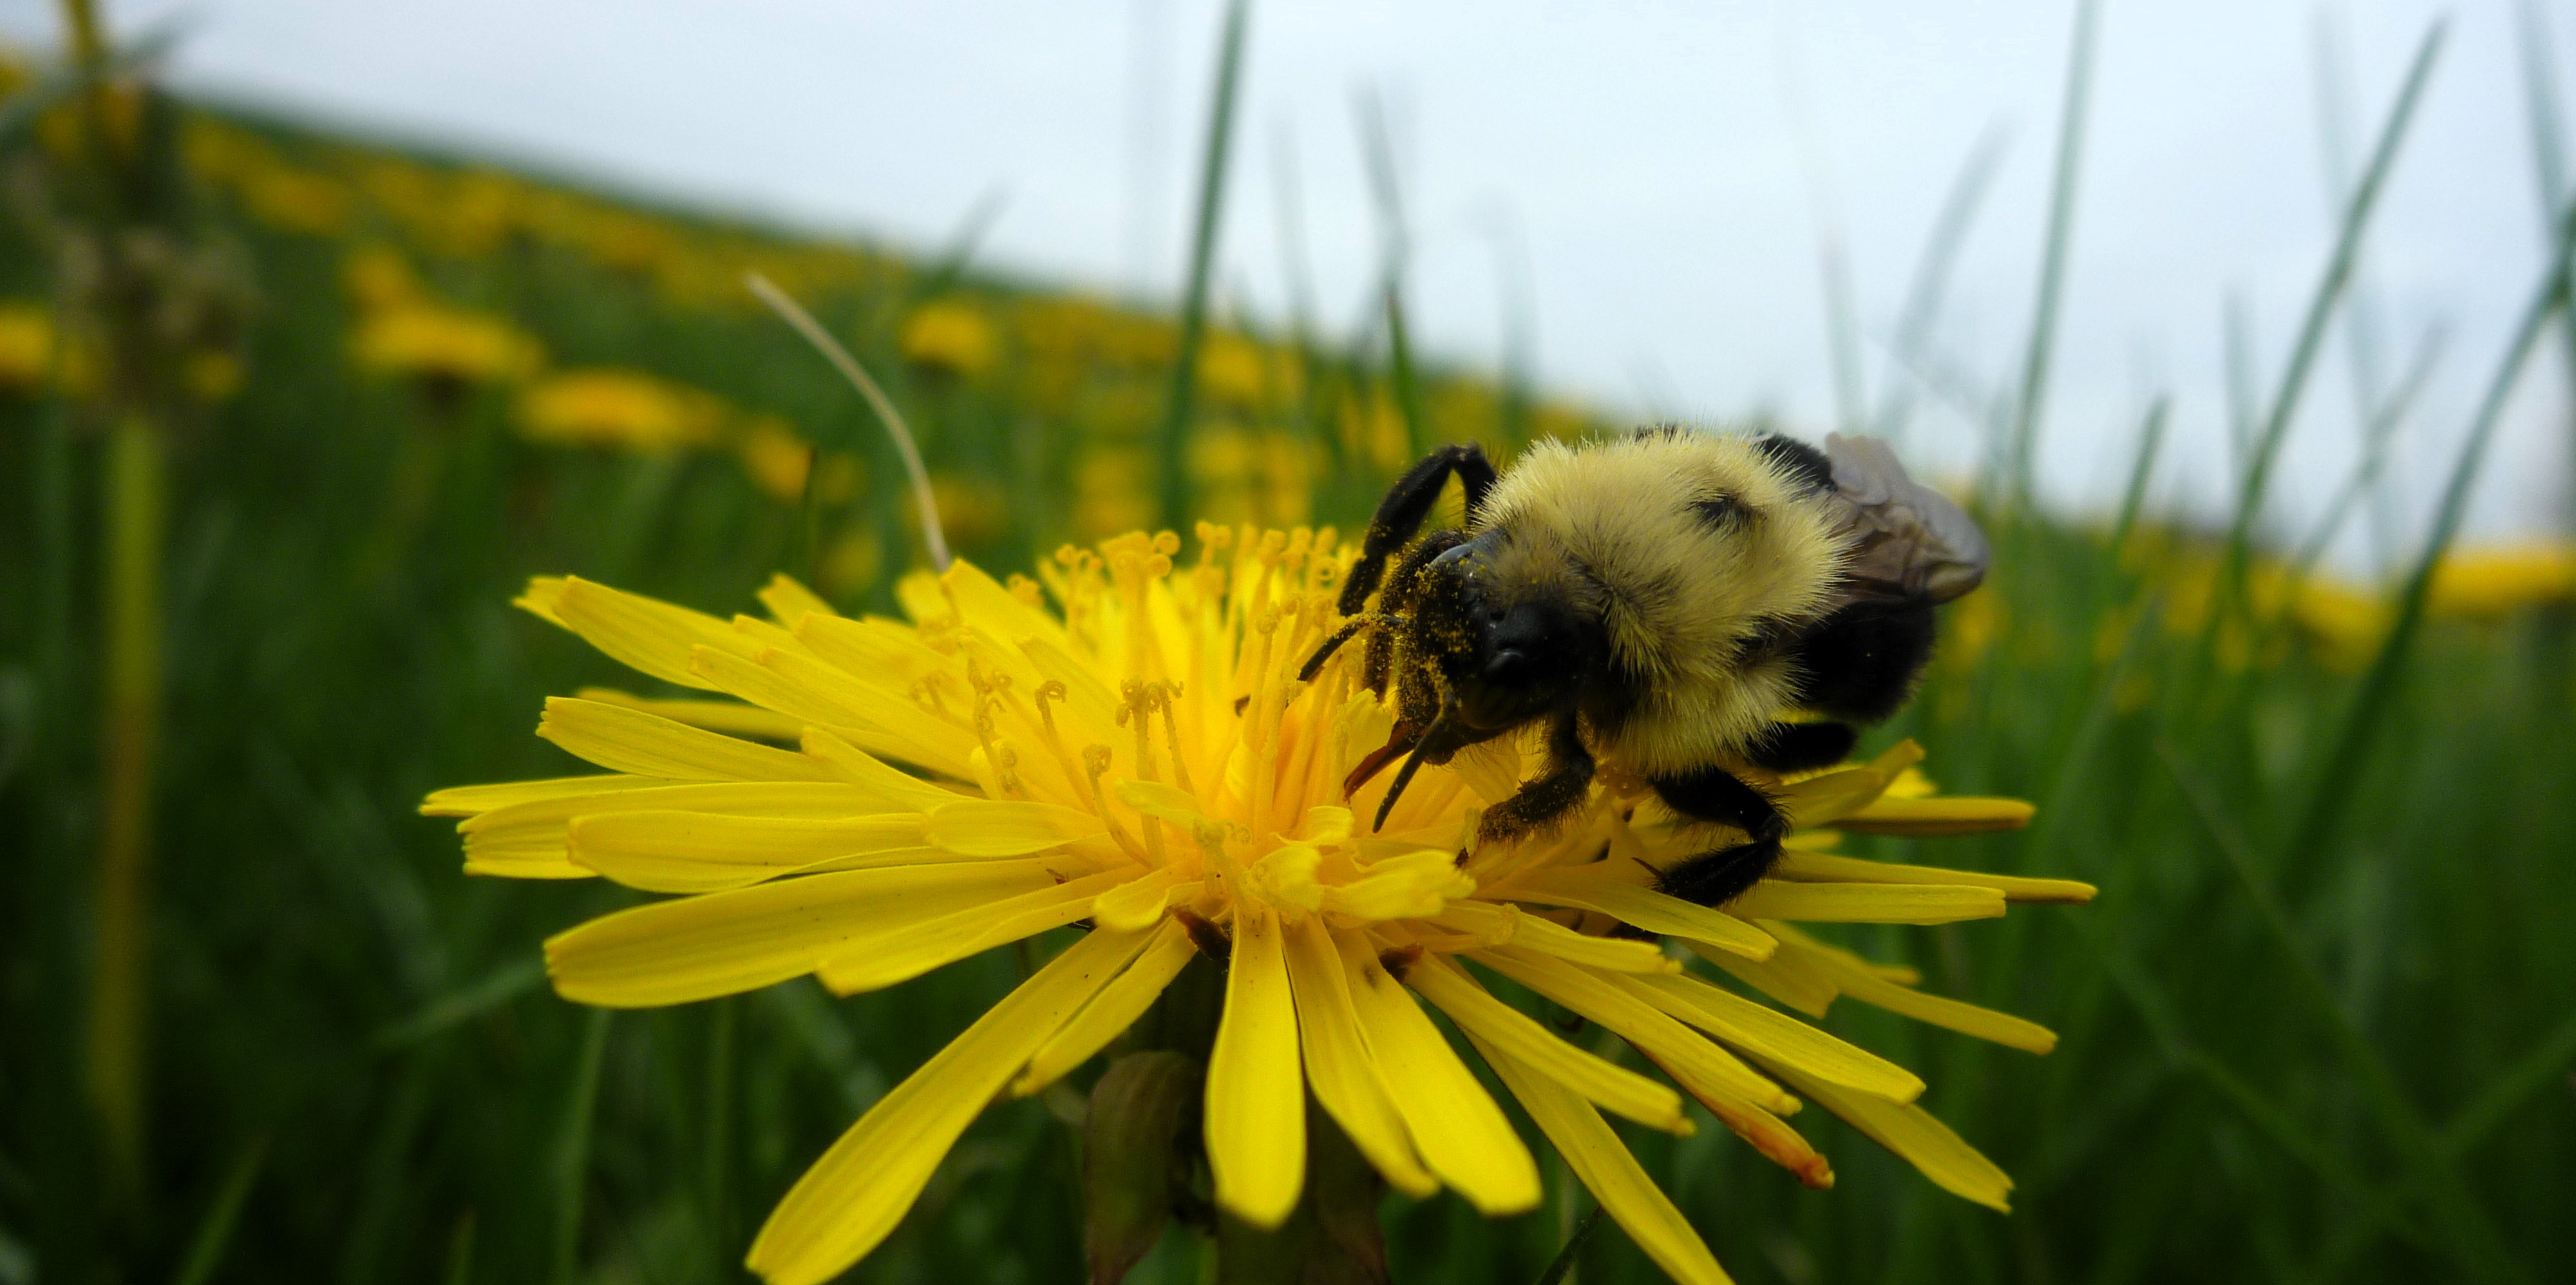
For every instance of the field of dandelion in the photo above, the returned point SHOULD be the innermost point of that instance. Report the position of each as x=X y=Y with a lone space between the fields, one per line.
x=2315 y=1026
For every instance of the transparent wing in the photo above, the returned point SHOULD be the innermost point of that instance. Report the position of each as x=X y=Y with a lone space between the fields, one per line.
x=1912 y=542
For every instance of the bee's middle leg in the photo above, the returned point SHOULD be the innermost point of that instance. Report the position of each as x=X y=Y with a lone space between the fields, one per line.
x=1720 y=876
x=1548 y=798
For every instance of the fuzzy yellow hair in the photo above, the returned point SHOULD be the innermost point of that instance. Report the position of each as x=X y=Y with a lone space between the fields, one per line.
x=1611 y=528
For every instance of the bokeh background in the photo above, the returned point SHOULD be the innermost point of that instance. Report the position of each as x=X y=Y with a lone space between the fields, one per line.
x=2240 y=331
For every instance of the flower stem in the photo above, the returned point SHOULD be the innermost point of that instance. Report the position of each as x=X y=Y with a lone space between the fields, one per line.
x=136 y=491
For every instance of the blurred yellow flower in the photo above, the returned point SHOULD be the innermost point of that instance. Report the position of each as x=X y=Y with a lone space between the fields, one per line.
x=853 y=561
x=379 y=278
x=433 y=341
x=614 y=407
x=212 y=376
x=299 y=201
x=971 y=509
x=1234 y=373
x=1148 y=765
x=26 y=346
x=949 y=337
x=778 y=459
x=1112 y=490
x=2493 y=581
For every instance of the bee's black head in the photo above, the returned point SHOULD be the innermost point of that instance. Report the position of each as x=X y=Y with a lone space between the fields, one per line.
x=1509 y=654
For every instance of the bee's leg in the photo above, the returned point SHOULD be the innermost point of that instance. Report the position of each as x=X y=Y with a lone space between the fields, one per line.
x=1407 y=503
x=1350 y=629
x=1797 y=747
x=1714 y=794
x=1548 y=798
x=1385 y=645
x=1860 y=663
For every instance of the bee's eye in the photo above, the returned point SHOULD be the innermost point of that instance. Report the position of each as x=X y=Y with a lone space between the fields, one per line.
x=1718 y=513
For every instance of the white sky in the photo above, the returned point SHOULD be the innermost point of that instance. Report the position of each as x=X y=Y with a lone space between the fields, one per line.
x=1665 y=168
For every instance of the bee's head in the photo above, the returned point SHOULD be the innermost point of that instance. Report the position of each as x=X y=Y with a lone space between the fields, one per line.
x=1508 y=651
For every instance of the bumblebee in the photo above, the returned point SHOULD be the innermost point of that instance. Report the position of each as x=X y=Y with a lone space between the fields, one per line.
x=1676 y=604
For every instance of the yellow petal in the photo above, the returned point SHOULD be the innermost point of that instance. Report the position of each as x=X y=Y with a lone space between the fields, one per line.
x=1256 y=1096
x=1956 y=814
x=1868 y=903
x=1139 y=902
x=1855 y=977
x=703 y=852
x=1111 y=1012
x=990 y=606
x=1165 y=802
x=1007 y=827
x=1325 y=827
x=1638 y=907
x=876 y=718
x=1820 y=800
x=1699 y=1065
x=1915 y=1134
x=1606 y=1166
x=691 y=948
x=871 y=645
x=905 y=951
x=1754 y=1029
x=1493 y=1024
x=847 y=1202
x=1826 y=867
x=1457 y=1129
x=630 y=740
x=643 y=633
x=1416 y=885
x=1608 y=954
x=789 y=601
x=729 y=717
x=527 y=840
x=1345 y=1077
x=1787 y=977
x=1492 y=770
x=902 y=792
x=473 y=800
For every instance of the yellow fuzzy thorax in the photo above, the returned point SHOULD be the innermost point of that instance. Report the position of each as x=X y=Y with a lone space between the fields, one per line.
x=1609 y=525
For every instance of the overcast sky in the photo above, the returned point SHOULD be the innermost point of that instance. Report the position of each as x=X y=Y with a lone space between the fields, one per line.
x=1661 y=176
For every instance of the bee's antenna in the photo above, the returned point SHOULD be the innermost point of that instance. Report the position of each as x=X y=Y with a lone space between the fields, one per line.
x=1412 y=762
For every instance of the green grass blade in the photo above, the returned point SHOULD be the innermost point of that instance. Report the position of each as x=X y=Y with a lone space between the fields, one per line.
x=1172 y=442
x=1561 y=1267
x=491 y=991
x=572 y=1146
x=1377 y=145
x=2024 y=440
x=2541 y=102
x=2322 y=303
x=214 y=1234
x=2472 y=1238
x=1931 y=283
x=2133 y=500
x=2338 y=771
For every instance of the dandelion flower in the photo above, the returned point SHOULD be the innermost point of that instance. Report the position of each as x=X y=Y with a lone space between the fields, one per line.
x=628 y=409
x=948 y=338
x=2494 y=581
x=1145 y=762
x=446 y=346
x=26 y=346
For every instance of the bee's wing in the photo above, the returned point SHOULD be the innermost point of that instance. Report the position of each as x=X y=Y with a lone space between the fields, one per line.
x=1909 y=541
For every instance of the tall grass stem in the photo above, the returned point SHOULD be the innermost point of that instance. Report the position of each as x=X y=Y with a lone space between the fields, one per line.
x=934 y=537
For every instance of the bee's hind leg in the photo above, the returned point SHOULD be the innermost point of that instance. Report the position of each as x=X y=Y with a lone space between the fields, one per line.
x=1407 y=503
x=1715 y=794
